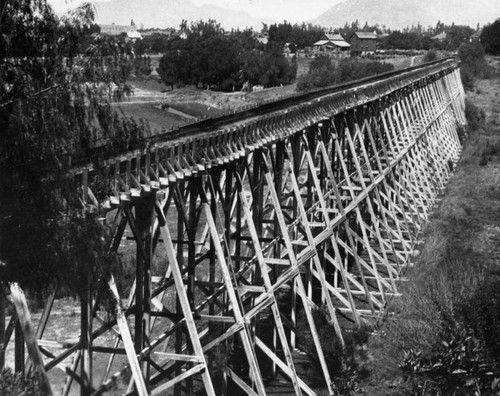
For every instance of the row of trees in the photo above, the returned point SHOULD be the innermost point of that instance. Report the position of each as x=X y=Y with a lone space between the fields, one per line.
x=278 y=34
x=208 y=58
x=455 y=36
x=301 y=36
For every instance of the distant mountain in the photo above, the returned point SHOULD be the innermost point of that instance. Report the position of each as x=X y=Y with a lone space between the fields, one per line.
x=398 y=14
x=170 y=13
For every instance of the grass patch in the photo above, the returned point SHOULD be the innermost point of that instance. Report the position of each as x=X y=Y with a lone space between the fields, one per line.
x=158 y=119
x=197 y=109
x=444 y=338
x=17 y=384
x=344 y=364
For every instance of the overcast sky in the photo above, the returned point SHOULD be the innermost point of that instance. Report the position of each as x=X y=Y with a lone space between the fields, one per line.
x=291 y=10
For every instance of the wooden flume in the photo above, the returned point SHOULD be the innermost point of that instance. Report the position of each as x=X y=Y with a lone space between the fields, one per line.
x=240 y=232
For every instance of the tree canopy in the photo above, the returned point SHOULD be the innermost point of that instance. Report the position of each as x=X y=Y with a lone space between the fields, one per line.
x=56 y=85
x=212 y=59
x=490 y=38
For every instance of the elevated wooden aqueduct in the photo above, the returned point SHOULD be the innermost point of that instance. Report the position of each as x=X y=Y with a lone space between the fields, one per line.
x=246 y=225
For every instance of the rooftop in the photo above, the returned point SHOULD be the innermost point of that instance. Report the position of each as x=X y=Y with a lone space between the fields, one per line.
x=366 y=35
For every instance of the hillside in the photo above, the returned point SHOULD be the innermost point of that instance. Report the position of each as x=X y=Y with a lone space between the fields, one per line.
x=162 y=14
x=398 y=14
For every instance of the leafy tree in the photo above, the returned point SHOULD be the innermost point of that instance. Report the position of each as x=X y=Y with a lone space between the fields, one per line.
x=490 y=38
x=55 y=96
x=168 y=68
x=322 y=62
x=473 y=64
x=301 y=35
x=457 y=35
x=209 y=58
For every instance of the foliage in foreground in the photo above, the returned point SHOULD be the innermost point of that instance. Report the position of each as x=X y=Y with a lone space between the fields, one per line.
x=344 y=364
x=445 y=335
x=56 y=85
x=323 y=72
x=16 y=384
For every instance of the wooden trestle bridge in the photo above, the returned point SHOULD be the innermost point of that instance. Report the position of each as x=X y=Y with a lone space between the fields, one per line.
x=244 y=224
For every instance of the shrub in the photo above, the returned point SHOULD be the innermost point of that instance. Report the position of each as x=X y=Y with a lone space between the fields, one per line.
x=322 y=73
x=355 y=69
x=460 y=362
x=448 y=325
x=473 y=64
x=322 y=62
x=344 y=364
x=430 y=56
x=474 y=115
x=16 y=384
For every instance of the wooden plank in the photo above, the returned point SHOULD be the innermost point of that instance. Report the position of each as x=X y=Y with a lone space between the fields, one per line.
x=160 y=390
x=186 y=309
x=179 y=357
x=3 y=307
x=236 y=304
x=19 y=300
x=238 y=381
x=311 y=241
x=127 y=341
x=282 y=366
x=300 y=287
x=267 y=282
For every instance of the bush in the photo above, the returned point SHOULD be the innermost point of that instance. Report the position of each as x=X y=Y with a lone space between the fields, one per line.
x=430 y=56
x=465 y=355
x=459 y=364
x=474 y=115
x=473 y=64
x=344 y=365
x=355 y=69
x=322 y=73
x=16 y=384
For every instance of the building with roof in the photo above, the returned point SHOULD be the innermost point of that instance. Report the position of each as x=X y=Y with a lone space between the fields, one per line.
x=116 y=30
x=439 y=37
x=332 y=44
x=363 y=43
x=134 y=35
x=476 y=36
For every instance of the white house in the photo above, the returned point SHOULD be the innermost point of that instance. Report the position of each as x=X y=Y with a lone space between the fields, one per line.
x=332 y=44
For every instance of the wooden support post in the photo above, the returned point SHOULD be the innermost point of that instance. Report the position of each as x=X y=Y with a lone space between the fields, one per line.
x=236 y=305
x=179 y=197
x=86 y=335
x=194 y=185
x=26 y=333
x=19 y=348
x=3 y=307
x=267 y=283
x=186 y=311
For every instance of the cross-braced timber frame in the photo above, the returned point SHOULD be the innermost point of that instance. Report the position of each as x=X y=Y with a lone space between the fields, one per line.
x=242 y=232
